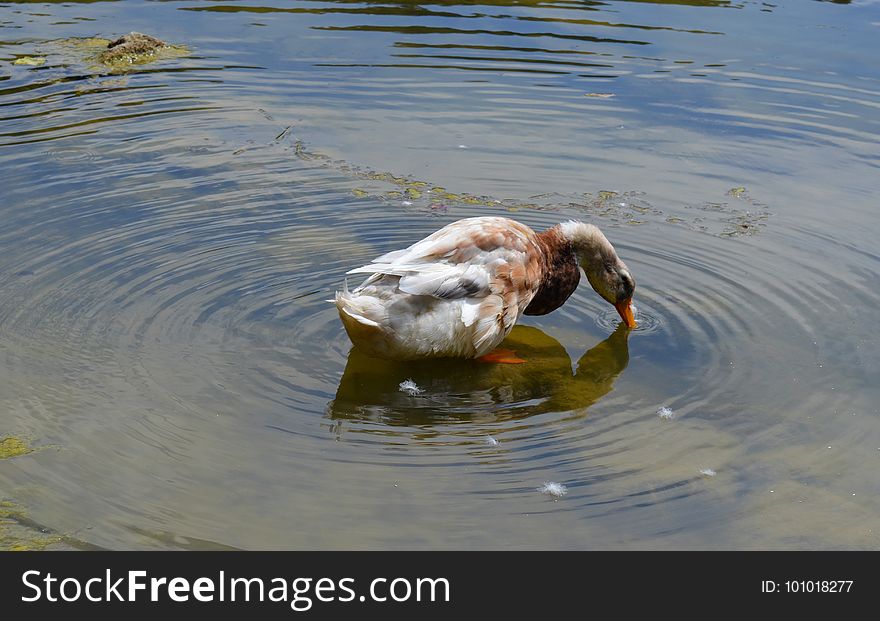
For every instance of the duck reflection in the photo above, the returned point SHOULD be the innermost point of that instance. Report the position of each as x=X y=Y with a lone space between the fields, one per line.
x=471 y=390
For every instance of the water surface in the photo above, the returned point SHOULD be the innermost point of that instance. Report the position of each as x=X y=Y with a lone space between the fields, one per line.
x=171 y=234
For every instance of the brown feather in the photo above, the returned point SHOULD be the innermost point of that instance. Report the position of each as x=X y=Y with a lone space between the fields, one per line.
x=560 y=274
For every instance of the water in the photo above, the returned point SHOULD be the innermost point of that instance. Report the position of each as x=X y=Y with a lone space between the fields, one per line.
x=170 y=235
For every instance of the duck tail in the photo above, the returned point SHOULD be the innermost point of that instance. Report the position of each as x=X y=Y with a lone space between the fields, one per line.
x=360 y=309
x=344 y=292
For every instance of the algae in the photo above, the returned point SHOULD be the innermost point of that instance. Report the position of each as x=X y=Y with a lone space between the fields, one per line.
x=19 y=534
x=136 y=48
x=10 y=447
x=30 y=61
x=409 y=189
x=623 y=208
x=123 y=53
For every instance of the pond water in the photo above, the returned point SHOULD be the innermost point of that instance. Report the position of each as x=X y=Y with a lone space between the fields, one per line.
x=171 y=233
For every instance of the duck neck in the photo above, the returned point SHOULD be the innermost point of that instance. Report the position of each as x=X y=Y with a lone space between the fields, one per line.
x=560 y=272
x=588 y=243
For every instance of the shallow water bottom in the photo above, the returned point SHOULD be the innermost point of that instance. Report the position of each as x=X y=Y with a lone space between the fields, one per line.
x=172 y=231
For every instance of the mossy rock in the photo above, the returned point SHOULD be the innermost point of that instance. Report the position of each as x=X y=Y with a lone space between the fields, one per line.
x=137 y=48
x=11 y=446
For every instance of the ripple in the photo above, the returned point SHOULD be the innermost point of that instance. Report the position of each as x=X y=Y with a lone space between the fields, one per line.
x=168 y=257
x=647 y=320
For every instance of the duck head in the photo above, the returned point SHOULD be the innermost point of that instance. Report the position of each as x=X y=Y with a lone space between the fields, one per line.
x=608 y=274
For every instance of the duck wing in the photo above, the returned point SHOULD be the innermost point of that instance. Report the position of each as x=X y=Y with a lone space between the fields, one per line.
x=470 y=258
x=460 y=289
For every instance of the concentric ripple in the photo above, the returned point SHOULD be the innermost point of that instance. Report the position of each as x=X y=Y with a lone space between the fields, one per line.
x=171 y=235
x=646 y=319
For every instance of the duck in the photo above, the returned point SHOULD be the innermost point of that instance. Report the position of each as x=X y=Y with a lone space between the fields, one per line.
x=458 y=292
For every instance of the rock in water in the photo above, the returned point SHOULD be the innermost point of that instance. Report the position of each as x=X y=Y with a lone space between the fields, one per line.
x=131 y=46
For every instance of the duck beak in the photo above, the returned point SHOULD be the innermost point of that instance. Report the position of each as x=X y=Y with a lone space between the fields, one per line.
x=624 y=307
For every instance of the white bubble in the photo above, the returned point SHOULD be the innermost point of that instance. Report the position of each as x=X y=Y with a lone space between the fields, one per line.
x=665 y=413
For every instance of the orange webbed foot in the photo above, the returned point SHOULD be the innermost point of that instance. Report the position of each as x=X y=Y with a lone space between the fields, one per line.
x=501 y=356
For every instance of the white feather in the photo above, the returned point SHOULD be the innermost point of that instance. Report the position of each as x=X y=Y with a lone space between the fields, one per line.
x=436 y=298
x=470 y=310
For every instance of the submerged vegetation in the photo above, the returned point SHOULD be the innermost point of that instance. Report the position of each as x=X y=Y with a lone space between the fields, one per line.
x=10 y=447
x=101 y=54
x=18 y=534
x=627 y=207
x=136 y=48
x=29 y=61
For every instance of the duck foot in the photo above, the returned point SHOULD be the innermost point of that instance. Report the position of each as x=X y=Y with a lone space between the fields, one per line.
x=501 y=356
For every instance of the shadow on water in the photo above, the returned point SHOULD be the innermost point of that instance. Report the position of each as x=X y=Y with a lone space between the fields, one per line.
x=460 y=390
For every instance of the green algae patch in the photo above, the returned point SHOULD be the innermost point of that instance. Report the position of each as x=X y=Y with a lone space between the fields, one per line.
x=136 y=48
x=30 y=61
x=408 y=189
x=11 y=446
x=18 y=534
x=746 y=216
x=86 y=44
x=129 y=50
